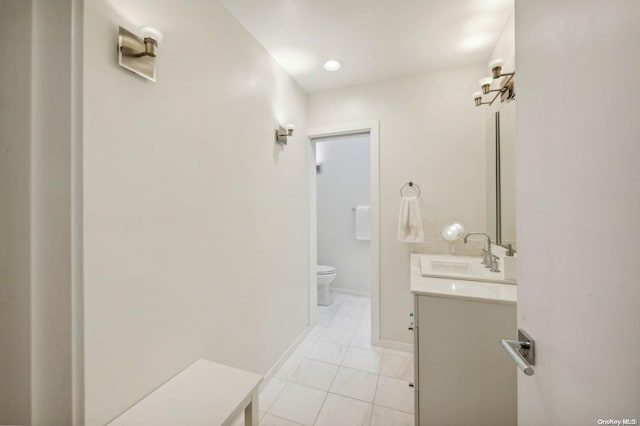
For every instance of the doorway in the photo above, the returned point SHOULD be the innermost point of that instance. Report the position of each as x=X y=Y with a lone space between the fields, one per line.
x=342 y=238
x=343 y=211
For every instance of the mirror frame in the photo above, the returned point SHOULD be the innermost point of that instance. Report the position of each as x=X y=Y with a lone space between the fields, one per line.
x=498 y=182
x=495 y=159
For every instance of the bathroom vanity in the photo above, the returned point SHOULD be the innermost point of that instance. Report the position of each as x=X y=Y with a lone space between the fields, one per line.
x=462 y=375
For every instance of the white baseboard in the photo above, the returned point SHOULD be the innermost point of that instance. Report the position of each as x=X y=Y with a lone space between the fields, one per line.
x=352 y=292
x=390 y=344
x=285 y=356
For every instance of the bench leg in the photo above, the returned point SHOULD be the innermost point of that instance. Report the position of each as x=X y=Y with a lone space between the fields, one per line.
x=251 y=416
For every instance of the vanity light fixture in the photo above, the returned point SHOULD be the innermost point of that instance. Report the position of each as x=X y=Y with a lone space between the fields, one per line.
x=506 y=90
x=151 y=38
x=138 y=54
x=282 y=133
x=332 y=65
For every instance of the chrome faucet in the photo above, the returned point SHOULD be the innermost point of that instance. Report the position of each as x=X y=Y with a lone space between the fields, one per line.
x=487 y=257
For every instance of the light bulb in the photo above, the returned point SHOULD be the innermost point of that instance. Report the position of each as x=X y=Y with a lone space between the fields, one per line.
x=495 y=63
x=477 y=98
x=485 y=84
x=150 y=32
x=496 y=68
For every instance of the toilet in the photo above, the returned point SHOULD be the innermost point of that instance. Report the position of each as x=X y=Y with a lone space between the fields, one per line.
x=326 y=274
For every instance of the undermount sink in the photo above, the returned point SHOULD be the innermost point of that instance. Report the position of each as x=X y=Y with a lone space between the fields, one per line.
x=449 y=267
x=459 y=267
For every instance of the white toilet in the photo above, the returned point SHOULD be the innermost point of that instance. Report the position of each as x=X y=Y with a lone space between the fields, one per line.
x=326 y=274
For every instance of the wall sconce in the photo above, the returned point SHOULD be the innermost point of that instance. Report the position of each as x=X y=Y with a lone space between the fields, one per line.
x=283 y=133
x=506 y=90
x=137 y=54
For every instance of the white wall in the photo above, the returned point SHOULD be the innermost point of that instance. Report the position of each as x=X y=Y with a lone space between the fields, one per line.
x=196 y=233
x=342 y=184
x=430 y=133
x=579 y=219
x=15 y=146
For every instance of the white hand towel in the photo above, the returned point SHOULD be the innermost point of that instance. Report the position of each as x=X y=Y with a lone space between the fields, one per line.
x=410 y=221
x=363 y=223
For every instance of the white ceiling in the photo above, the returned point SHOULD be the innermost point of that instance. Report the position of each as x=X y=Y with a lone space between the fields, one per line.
x=374 y=39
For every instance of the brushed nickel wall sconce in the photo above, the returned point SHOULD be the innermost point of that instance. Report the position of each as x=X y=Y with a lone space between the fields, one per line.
x=283 y=133
x=506 y=90
x=137 y=54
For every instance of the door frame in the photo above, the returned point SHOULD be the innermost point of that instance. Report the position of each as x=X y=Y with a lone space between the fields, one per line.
x=373 y=128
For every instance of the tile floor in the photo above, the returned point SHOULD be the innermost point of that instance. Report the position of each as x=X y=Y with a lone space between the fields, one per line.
x=336 y=377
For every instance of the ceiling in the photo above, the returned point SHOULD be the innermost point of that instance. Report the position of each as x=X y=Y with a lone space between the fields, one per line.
x=374 y=39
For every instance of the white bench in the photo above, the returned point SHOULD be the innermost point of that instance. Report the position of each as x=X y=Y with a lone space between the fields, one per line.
x=203 y=394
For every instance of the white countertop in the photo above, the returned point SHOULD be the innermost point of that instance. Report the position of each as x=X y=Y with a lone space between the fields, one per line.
x=460 y=289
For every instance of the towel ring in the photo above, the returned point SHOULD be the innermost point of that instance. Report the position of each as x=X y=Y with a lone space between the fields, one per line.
x=411 y=184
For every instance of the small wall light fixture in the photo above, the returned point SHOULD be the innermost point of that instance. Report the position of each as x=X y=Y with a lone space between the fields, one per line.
x=506 y=90
x=138 y=54
x=282 y=133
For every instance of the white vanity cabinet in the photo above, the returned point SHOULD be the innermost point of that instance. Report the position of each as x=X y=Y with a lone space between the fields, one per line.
x=462 y=375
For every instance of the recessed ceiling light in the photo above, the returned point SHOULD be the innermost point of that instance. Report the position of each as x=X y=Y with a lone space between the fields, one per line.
x=332 y=65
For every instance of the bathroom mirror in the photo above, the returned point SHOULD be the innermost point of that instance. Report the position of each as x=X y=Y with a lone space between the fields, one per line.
x=501 y=175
